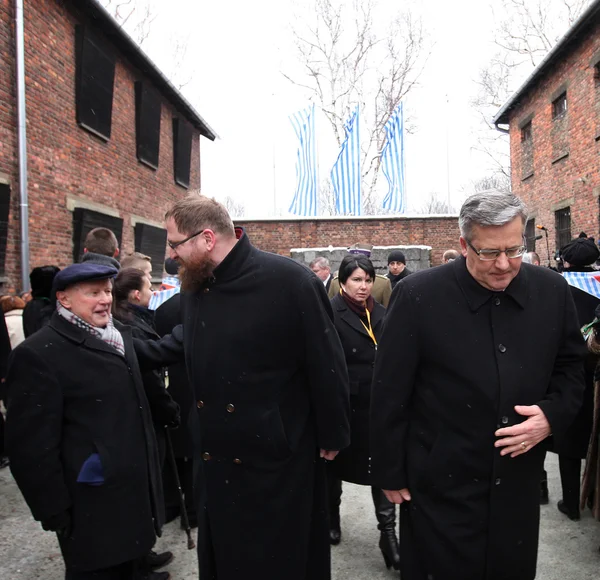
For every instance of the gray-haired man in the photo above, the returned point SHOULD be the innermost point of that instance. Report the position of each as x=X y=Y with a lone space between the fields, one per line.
x=458 y=436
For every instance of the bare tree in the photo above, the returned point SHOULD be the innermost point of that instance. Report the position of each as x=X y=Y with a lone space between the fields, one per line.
x=349 y=58
x=433 y=205
x=235 y=208
x=526 y=31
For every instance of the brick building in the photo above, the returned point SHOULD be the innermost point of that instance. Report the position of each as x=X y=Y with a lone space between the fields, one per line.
x=109 y=140
x=281 y=235
x=554 y=126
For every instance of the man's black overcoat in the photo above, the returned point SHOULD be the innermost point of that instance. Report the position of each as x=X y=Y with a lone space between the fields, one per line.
x=353 y=463
x=453 y=361
x=71 y=395
x=271 y=388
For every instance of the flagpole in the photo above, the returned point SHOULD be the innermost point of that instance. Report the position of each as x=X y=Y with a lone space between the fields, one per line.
x=447 y=155
x=274 y=171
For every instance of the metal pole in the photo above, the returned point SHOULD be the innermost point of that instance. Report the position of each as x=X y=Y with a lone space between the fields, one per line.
x=447 y=155
x=22 y=143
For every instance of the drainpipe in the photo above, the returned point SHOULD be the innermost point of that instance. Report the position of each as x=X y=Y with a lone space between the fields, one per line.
x=22 y=141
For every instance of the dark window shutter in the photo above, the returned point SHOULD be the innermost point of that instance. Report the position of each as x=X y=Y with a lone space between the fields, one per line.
x=95 y=78
x=85 y=220
x=4 y=211
x=147 y=123
x=530 y=233
x=152 y=241
x=182 y=151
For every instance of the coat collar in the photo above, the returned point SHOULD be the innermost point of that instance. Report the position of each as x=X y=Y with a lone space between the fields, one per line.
x=83 y=338
x=353 y=320
x=477 y=295
x=234 y=262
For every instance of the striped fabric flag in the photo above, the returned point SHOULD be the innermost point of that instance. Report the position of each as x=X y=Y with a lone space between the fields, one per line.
x=305 y=198
x=160 y=297
x=345 y=175
x=587 y=281
x=392 y=161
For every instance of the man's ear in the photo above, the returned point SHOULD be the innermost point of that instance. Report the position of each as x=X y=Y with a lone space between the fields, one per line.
x=64 y=299
x=85 y=250
x=463 y=246
x=116 y=253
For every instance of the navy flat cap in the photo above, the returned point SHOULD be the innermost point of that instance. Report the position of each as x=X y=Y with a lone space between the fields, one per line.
x=84 y=272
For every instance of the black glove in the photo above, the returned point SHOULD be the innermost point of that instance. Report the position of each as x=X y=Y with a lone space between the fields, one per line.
x=60 y=523
x=175 y=422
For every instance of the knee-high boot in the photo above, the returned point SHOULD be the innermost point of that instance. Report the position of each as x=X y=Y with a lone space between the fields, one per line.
x=385 y=511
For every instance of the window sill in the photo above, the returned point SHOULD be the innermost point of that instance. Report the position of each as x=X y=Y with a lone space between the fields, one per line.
x=560 y=157
x=526 y=177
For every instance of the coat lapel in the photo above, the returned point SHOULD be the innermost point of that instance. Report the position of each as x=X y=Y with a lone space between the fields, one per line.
x=350 y=317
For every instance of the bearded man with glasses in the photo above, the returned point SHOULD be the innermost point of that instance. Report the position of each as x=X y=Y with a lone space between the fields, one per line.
x=491 y=361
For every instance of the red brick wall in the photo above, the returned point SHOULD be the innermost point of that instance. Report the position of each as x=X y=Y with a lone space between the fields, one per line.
x=64 y=159
x=576 y=176
x=280 y=236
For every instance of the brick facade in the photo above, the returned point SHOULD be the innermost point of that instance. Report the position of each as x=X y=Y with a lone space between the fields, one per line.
x=564 y=172
x=68 y=165
x=280 y=236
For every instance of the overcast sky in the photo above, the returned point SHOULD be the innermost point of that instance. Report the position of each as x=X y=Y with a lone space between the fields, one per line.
x=236 y=51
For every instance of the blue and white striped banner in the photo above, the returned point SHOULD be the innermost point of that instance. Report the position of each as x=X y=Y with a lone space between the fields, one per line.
x=587 y=281
x=305 y=198
x=345 y=174
x=392 y=161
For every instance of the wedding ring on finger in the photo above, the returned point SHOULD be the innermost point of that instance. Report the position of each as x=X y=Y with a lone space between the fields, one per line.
x=524 y=445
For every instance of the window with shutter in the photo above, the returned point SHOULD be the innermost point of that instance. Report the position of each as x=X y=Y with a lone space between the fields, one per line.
x=85 y=220
x=182 y=151
x=152 y=242
x=95 y=77
x=147 y=123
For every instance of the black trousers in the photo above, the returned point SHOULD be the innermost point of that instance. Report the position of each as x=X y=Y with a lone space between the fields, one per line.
x=125 y=571
x=2 y=451
x=185 y=470
x=570 y=479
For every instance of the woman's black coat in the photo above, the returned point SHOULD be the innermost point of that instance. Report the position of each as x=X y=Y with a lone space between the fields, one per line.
x=353 y=463
x=72 y=395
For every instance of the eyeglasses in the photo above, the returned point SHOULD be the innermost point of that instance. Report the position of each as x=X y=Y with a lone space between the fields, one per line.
x=174 y=245
x=490 y=255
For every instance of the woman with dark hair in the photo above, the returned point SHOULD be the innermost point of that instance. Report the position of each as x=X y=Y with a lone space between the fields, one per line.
x=131 y=296
x=358 y=320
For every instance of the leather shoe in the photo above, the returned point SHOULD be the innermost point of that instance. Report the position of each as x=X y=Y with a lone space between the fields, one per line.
x=571 y=514
x=335 y=536
x=4 y=462
x=154 y=560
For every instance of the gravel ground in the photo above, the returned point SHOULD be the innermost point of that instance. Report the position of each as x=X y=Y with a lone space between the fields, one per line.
x=568 y=550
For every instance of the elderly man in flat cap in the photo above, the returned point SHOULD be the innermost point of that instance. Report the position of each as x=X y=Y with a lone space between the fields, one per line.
x=79 y=432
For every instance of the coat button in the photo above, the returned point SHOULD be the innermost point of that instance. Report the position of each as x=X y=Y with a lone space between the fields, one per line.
x=505 y=420
x=497 y=302
x=206 y=456
x=237 y=461
x=230 y=408
x=501 y=348
x=498 y=481
x=200 y=404
x=206 y=290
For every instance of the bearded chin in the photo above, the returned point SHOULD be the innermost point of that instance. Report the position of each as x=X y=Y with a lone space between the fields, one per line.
x=193 y=275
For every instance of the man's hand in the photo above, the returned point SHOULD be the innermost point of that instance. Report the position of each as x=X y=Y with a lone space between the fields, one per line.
x=519 y=439
x=329 y=455
x=397 y=496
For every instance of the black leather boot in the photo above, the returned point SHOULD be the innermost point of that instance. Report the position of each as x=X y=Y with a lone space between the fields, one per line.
x=385 y=511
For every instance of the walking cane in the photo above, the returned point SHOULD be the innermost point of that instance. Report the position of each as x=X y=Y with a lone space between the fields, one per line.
x=185 y=522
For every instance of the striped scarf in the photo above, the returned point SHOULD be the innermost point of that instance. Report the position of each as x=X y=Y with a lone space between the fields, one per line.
x=110 y=335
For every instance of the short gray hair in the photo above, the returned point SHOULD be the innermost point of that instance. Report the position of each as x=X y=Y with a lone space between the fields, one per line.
x=490 y=209
x=320 y=263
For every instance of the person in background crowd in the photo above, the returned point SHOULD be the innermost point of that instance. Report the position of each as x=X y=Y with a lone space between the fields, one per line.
x=166 y=318
x=131 y=292
x=320 y=266
x=139 y=261
x=450 y=256
x=590 y=487
x=12 y=307
x=101 y=247
x=39 y=309
x=79 y=432
x=171 y=280
x=463 y=400
x=358 y=320
x=4 y=354
x=26 y=296
x=382 y=288
x=397 y=267
x=531 y=258
x=573 y=447
x=271 y=391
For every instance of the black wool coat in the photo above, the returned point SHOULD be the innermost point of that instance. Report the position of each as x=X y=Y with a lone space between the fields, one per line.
x=166 y=318
x=453 y=361
x=576 y=441
x=72 y=395
x=353 y=463
x=271 y=388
